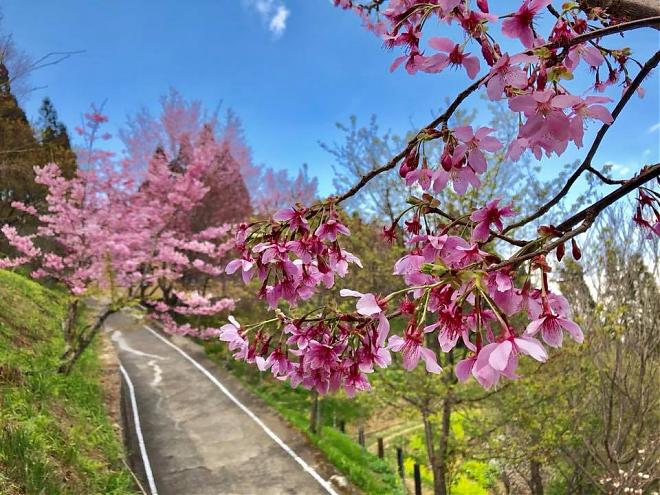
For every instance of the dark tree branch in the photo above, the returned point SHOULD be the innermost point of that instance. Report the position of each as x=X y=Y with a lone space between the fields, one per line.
x=443 y=118
x=586 y=216
x=624 y=9
x=648 y=67
x=648 y=174
x=604 y=178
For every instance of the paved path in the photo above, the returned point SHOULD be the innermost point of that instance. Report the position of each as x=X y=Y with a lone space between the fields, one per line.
x=198 y=440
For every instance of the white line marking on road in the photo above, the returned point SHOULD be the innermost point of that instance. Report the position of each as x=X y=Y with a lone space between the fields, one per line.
x=123 y=345
x=138 y=432
x=254 y=417
x=158 y=373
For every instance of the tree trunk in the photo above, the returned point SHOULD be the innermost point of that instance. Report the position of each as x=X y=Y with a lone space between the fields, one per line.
x=440 y=479
x=69 y=322
x=626 y=9
x=506 y=481
x=81 y=342
x=315 y=413
x=430 y=448
x=536 y=479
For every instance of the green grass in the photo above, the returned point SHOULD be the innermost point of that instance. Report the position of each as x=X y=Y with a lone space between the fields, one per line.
x=364 y=469
x=55 y=435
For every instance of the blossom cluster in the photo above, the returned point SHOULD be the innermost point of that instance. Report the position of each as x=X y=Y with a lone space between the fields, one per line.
x=458 y=295
x=290 y=256
x=452 y=297
x=533 y=81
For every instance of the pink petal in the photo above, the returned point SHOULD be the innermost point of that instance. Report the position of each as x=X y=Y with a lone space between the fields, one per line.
x=464 y=133
x=534 y=326
x=464 y=368
x=442 y=44
x=601 y=113
x=499 y=358
x=477 y=160
x=471 y=65
x=447 y=341
x=395 y=343
x=531 y=347
x=428 y=356
x=573 y=329
x=367 y=305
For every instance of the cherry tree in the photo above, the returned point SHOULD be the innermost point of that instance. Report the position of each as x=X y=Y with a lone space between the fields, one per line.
x=100 y=231
x=471 y=281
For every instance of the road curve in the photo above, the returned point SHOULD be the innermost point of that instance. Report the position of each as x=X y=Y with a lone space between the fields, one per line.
x=202 y=432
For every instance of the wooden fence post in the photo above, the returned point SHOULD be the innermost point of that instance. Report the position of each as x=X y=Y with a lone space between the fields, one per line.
x=361 y=436
x=418 y=480
x=399 y=460
x=381 y=448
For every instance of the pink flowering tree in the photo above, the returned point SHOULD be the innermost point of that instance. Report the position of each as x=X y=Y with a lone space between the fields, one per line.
x=175 y=252
x=102 y=233
x=472 y=286
x=71 y=246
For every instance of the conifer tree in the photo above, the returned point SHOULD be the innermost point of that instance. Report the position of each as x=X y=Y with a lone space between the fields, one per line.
x=54 y=139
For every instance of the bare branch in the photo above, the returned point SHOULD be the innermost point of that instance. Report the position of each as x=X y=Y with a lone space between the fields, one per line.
x=586 y=216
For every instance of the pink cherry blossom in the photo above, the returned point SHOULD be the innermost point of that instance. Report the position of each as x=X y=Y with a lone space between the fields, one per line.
x=487 y=216
x=551 y=326
x=472 y=145
x=329 y=230
x=520 y=24
x=410 y=345
x=455 y=57
x=506 y=73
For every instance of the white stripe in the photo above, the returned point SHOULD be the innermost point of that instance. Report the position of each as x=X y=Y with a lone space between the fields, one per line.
x=254 y=417
x=138 y=432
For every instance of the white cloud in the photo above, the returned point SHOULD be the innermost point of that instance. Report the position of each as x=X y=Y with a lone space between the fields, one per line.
x=273 y=13
x=278 y=21
x=654 y=127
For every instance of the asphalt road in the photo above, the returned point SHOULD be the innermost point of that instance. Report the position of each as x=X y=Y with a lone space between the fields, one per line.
x=198 y=440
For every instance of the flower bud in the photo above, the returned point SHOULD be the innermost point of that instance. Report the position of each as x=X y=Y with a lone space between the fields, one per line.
x=575 y=250
x=561 y=250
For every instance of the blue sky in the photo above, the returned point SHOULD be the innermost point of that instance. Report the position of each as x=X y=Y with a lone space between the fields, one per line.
x=291 y=71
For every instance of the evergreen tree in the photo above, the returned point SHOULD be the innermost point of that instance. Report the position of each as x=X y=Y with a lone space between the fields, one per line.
x=55 y=139
x=21 y=150
x=18 y=150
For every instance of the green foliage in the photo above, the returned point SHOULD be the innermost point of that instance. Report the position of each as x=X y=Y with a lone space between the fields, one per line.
x=474 y=478
x=55 y=435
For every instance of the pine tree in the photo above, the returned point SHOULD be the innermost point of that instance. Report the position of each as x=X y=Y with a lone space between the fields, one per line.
x=21 y=148
x=18 y=153
x=54 y=139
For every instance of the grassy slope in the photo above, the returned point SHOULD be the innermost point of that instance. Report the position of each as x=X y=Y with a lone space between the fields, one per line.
x=365 y=470
x=55 y=435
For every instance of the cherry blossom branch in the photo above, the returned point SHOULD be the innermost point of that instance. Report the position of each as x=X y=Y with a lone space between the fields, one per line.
x=599 y=33
x=587 y=216
x=443 y=118
x=494 y=233
x=648 y=67
x=651 y=172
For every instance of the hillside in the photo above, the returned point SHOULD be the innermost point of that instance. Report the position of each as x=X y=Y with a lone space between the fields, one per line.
x=55 y=434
